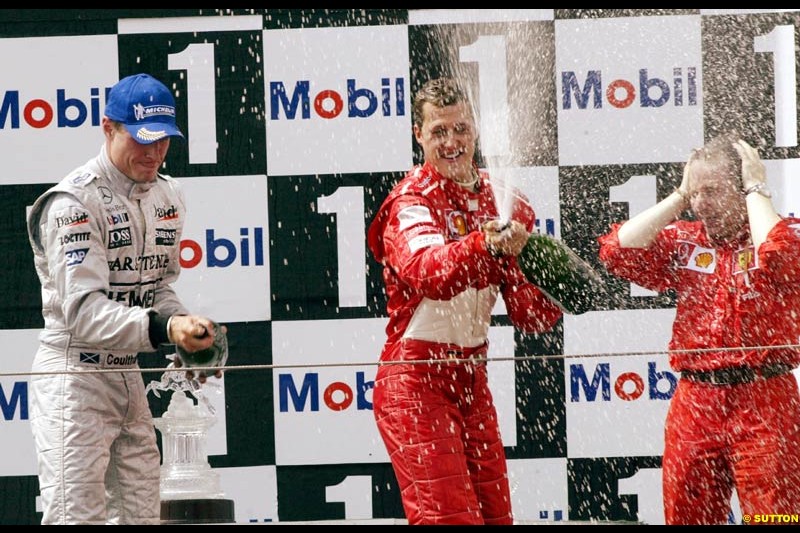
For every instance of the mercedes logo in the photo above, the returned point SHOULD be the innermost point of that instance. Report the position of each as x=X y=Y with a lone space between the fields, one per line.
x=105 y=194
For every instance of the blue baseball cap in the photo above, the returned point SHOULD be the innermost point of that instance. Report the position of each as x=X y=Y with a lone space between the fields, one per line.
x=144 y=106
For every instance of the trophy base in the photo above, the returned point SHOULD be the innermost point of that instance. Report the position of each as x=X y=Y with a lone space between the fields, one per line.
x=198 y=511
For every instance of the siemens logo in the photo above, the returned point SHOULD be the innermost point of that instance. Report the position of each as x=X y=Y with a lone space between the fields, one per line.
x=329 y=104
x=621 y=93
x=337 y=396
x=15 y=404
x=39 y=113
x=133 y=299
x=628 y=386
x=165 y=237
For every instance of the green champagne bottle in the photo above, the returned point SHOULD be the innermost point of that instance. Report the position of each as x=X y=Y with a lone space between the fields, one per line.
x=561 y=274
x=214 y=356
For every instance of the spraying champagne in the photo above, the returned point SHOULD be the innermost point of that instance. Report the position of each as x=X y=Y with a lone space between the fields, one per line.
x=560 y=273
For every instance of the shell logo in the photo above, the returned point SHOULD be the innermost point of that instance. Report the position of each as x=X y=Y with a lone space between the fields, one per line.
x=704 y=259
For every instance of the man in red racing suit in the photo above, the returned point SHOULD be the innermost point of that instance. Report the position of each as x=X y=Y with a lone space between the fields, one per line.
x=446 y=258
x=734 y=421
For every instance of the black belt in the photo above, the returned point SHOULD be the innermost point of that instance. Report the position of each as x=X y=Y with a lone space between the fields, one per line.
x=736 y=375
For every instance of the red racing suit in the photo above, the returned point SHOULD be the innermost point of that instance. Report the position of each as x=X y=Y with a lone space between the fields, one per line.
x=724 y=433
x=438 y=421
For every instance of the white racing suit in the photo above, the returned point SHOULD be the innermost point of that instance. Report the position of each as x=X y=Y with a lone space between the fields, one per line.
x=106 y=250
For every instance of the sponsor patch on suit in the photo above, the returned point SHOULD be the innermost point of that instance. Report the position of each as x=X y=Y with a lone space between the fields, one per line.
x=692 y=256
x=744 y=259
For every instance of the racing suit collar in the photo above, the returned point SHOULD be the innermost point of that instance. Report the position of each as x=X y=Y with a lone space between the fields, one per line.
x=451 y=186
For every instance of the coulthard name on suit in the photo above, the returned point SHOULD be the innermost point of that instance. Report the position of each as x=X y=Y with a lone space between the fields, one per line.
x=127 y=359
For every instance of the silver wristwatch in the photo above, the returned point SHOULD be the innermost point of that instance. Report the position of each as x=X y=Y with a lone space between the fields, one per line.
x=760 y=188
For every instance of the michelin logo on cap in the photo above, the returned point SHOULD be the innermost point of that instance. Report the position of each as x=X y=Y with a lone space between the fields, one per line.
x=141 y=112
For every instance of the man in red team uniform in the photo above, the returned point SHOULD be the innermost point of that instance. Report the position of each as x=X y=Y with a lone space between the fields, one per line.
x=734 y=421
x=446 y=258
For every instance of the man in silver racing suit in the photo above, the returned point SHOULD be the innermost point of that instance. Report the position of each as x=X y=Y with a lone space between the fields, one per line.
x=106 y=250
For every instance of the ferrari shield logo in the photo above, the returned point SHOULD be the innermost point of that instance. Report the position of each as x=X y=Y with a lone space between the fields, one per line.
x=744 y=259
x=457 y=224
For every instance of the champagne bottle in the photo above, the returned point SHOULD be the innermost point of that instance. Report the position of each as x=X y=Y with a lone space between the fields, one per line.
x=561 y=274
x=214 y=356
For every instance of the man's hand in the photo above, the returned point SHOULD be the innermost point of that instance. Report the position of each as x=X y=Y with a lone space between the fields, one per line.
x=683 y=189
x=192 y=333
x=753 y=171
x=505 y=238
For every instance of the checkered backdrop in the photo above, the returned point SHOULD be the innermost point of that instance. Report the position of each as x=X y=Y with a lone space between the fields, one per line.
x=298 y=122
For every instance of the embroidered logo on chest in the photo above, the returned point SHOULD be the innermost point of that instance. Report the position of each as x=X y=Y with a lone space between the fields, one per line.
x=698 y=258
x=744 y=259
x=457 y=224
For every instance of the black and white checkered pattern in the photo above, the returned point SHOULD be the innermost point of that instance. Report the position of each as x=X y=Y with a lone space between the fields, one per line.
x=298 y=123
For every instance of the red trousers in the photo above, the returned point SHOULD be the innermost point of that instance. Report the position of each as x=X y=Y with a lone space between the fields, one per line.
x=721 y=437
x=439 y=425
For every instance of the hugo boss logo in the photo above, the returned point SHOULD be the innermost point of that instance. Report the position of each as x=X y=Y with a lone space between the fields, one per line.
x=117 y=238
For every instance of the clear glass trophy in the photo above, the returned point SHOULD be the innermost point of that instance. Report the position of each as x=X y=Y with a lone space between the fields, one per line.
x=185 y=472
x=190 y=489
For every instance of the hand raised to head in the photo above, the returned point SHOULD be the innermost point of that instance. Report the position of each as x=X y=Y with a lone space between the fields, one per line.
x=753 y=170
